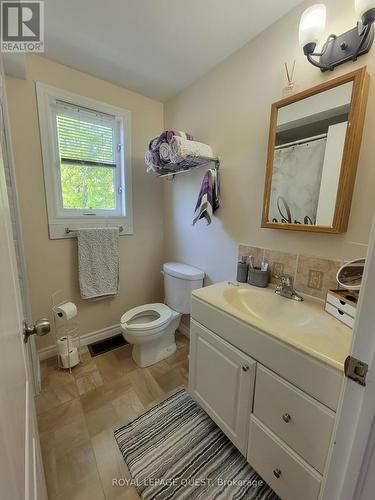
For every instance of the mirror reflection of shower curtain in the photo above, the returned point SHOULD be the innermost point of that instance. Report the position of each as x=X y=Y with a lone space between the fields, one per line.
x=296 y=179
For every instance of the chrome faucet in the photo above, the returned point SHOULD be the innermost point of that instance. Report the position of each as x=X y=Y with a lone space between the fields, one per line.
x=285 y=289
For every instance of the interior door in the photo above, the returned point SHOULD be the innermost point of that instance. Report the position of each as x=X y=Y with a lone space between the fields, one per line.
x=352 y=465
x=8 y=159
x=21 y=473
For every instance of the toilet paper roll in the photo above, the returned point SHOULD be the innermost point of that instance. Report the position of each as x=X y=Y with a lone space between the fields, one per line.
x=70 y=359
x=64 y=345
x=66 y=311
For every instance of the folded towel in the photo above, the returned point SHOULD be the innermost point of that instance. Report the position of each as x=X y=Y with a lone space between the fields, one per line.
x=155 y=143
x=152 y=160
x=181 y=148
x=98 y=262
x=165 y=152
x=209 y=197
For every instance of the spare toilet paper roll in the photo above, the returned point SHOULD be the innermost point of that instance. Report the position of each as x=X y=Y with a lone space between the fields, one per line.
x=66 y=311
x=70 y=359
x=64 y=345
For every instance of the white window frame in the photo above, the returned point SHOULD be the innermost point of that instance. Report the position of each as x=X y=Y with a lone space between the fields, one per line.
x=59 y=219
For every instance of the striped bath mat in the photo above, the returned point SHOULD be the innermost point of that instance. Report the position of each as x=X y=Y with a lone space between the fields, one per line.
x=175 y=451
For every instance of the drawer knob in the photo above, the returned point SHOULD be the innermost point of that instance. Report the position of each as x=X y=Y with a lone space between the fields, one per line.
x=245 y=368
x=277 y=473
x=287 y=418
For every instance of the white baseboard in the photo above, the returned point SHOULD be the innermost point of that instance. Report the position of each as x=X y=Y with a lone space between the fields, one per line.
x=184 y=329
x=87 y=338
x=104 y=333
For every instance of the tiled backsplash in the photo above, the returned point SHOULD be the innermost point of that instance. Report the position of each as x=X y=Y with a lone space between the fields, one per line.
x=312 y=275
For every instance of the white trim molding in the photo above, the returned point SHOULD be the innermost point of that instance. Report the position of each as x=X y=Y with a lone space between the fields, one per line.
x=87 y=338
x=104 y=333
x=184 y=330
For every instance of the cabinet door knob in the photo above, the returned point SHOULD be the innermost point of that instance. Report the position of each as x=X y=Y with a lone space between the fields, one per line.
x=277 y=473
x=287 y=418
x=245 y=368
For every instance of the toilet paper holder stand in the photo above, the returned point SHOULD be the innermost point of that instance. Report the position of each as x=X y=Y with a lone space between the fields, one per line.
x=69 y=351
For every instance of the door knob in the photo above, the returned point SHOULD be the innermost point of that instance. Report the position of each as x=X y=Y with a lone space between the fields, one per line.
x=40 y=327
x=287 y=418
x=245 y=368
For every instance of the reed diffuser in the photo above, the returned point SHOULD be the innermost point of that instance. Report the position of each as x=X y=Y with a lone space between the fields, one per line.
x=291 y=88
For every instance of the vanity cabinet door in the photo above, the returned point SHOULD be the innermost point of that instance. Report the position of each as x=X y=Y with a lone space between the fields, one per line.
x=221 y=380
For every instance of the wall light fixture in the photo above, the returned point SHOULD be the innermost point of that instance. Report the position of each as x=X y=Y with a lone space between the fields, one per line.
x=337 y=49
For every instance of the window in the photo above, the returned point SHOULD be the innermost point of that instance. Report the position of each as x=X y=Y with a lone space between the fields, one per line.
x=89 y=168
x=86 y=162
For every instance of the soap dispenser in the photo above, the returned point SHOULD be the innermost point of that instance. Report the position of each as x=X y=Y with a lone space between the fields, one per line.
x=242 y=270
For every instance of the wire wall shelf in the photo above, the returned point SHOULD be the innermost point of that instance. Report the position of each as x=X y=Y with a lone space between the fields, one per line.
x=190 y=163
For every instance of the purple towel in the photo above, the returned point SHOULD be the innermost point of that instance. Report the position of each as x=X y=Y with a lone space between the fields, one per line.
x=209 y=197
x=155 y=143
x=172 y=133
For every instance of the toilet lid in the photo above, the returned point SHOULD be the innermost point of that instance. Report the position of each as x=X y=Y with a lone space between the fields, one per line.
x=161 y=311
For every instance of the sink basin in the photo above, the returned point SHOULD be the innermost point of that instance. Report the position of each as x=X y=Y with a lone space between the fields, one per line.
x=303 y=325
x=264 y=307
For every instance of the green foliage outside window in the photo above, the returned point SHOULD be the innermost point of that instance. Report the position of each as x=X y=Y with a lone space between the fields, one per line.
x=87 y=187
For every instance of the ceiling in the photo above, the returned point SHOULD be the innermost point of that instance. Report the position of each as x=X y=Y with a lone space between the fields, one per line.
x=155 y=47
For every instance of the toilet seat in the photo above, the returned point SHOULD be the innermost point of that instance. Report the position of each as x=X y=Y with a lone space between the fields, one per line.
x=163 y=311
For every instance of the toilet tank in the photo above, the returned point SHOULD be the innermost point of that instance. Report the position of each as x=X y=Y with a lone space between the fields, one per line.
x=179 y=281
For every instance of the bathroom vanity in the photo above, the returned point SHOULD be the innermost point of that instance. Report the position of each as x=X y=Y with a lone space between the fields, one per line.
x=269 y=371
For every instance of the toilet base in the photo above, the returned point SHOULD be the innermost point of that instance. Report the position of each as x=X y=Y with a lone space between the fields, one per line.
x=146 y=355
x=153 y=351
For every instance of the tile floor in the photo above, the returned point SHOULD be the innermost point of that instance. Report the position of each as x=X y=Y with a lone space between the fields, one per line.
x=78 y=412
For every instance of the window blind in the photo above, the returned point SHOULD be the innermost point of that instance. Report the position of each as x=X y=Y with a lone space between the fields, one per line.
x=85 y=137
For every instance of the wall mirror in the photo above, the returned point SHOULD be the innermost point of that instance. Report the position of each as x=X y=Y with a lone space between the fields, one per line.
x=350 y=275
x=313 y=151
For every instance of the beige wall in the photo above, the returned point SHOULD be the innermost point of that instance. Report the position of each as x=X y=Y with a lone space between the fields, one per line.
x=229 y=108
x=52 y=264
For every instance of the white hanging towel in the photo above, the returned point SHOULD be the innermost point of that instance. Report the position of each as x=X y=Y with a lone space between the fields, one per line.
x=98 y=262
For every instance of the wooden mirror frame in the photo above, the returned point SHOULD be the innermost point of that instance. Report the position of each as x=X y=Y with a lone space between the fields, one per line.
x=357 y=111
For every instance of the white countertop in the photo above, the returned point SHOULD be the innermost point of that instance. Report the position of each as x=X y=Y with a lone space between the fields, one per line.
x=303 y=325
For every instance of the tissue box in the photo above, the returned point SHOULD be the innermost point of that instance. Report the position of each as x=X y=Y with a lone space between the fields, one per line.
x=342 y=304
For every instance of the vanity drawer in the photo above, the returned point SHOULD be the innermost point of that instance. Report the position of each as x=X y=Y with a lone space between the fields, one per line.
x=344 y=305
x=279 y=466
x=299 y=420
x=340 y=314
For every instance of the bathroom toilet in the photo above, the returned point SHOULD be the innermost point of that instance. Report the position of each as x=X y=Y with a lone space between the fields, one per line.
x=151 y=328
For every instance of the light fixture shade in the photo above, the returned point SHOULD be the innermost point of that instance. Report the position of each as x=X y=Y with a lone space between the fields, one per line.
x=363 y=9
x=312 y=24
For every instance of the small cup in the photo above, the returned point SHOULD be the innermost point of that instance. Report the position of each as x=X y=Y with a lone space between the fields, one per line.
x=257 y=277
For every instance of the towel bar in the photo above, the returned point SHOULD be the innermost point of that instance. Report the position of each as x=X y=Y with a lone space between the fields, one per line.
x=68 y=231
